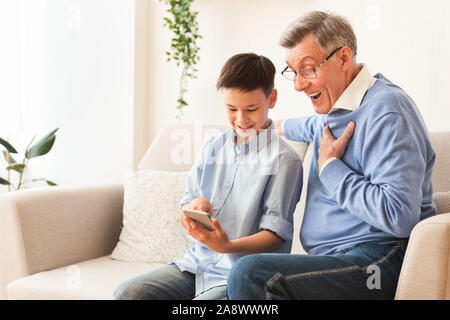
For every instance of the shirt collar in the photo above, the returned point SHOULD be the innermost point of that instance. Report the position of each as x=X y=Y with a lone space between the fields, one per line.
x=352 y=96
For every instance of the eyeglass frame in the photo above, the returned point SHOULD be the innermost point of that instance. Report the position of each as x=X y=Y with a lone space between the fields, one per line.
x=313 y=69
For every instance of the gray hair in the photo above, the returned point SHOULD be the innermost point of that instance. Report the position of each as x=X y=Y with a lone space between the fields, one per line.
x=330 y=30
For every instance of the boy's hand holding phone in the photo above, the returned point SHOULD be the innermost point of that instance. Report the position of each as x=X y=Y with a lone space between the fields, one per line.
x=217 y=239
x=199 y=204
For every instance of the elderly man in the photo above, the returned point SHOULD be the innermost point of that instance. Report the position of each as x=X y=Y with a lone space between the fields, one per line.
x=369 y=180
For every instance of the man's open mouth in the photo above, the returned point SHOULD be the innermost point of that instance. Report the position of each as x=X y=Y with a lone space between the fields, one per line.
x=315 y=95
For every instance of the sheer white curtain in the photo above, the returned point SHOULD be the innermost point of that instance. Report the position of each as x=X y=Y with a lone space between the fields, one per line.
x=23 y=65
x=10 y=105
x=69 y=64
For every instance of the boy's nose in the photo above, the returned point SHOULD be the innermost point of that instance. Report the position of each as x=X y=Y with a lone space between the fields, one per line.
x=241 y=116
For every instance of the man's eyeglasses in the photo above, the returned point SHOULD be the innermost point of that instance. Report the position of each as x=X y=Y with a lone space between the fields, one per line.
x=306 y=73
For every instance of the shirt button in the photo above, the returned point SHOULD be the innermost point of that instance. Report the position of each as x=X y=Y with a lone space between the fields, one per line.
x=200 y=271
x=216 y=208
x=237 y=159
x=228 y=185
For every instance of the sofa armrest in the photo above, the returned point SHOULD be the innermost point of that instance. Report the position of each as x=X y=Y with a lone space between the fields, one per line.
x=425 y=272
x=43 y=229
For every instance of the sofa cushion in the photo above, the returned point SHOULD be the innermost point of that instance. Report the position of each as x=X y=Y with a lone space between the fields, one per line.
x=441 y=145
x=442 y=201
x=300 y=147
x=177 y=145
x=91 y=279
x=151 y=229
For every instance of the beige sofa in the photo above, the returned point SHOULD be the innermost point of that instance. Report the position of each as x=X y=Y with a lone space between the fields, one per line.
x=56 y=243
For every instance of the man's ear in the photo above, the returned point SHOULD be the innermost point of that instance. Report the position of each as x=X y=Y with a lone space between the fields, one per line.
x=273 y=98
x=345 y=57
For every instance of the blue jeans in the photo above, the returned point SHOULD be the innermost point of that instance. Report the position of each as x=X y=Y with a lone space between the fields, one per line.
x=365 y=271
x=165 y=283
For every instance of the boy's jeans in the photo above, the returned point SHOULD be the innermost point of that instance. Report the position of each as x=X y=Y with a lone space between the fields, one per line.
x=165 y=283
x=366 y=271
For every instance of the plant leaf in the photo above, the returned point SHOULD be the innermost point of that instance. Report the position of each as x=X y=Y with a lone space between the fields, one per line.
x=51 y=183
x=184 y=47
x=16 y=167
x=8 y=147
x=3 y=181
x=11 y=159
x=43 y=146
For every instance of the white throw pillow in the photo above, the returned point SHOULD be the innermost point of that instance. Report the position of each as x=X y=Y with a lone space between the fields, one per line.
x=151 y=229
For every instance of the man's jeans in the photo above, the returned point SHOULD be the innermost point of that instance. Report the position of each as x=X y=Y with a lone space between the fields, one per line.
x=365 y=271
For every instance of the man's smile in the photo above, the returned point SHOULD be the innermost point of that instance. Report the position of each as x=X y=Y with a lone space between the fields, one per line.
x=315 y=96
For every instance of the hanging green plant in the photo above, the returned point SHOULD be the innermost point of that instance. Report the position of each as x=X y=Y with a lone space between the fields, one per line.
x=184 y=47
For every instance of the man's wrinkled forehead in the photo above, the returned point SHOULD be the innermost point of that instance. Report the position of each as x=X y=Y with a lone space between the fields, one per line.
x=306 y=51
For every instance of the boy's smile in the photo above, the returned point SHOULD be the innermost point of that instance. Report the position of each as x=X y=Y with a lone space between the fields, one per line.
x=247 y=112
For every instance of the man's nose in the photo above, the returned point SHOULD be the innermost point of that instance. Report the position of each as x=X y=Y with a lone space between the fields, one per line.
x=301 y=83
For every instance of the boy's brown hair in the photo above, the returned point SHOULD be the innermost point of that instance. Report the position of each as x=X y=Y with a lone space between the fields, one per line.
x=248 y=72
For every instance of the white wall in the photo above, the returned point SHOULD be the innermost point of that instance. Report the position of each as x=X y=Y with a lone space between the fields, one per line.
x=72 y=67
x=406 y=40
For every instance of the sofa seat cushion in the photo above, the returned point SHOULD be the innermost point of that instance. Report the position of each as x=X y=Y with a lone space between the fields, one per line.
x=94 y=279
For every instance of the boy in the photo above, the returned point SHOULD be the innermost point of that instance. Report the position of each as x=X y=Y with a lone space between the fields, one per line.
x=246 y=178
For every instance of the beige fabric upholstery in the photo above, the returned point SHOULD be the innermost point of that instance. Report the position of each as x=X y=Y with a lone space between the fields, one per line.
x=297 y=247
x=442 y=201
x=43 y=229
x=425 y=272
x=441 y=170
x=91 y=279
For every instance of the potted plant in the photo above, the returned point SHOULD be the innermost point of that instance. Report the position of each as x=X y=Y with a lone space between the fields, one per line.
x=40 y=148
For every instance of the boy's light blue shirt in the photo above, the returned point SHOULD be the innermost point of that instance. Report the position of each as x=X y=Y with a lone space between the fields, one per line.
x=381 y=188
x=251 y=188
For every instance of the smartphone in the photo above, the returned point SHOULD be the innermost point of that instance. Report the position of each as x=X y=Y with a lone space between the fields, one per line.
x=200 y=217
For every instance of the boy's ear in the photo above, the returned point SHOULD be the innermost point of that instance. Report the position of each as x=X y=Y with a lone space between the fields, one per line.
x=273 y=98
